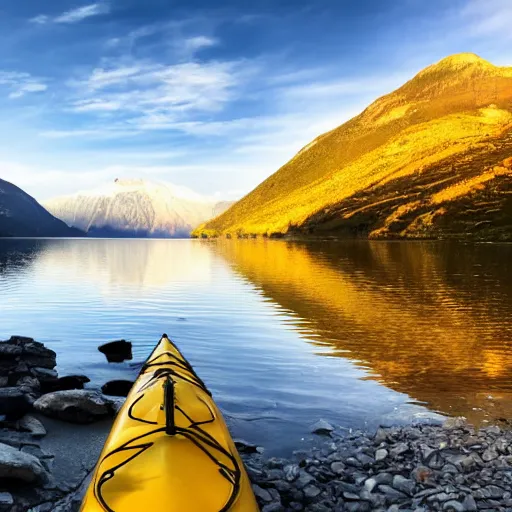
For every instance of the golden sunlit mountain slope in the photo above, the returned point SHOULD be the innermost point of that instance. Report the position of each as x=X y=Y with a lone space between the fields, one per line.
x=431 y=159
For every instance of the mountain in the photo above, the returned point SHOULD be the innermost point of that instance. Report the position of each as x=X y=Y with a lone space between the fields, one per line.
x=432 y=159
x=136 y=208
x=21 y=215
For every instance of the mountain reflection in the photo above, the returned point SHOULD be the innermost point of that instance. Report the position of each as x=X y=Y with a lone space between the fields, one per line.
x=428 y=319
x=138 y=264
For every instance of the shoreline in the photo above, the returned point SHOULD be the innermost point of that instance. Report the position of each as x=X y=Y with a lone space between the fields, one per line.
x=57 y=437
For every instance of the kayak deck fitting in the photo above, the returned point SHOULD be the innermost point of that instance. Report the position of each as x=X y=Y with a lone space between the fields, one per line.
x=169 y=448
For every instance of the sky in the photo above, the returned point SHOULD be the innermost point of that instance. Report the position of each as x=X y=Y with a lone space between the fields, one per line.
x=214 y=96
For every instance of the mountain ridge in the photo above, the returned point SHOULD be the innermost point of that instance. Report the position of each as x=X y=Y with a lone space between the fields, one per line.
x=22 y=216
x=443 y=114
x=135 y=208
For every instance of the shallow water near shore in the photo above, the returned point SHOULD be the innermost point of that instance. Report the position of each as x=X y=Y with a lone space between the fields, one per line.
x=283 y=333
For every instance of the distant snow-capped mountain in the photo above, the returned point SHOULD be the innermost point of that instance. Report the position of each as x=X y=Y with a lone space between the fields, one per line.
x=139 y=208
x=21 y=215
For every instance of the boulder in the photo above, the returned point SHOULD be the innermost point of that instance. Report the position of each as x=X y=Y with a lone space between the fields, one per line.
x=65 y=383
x=31 y=424
x=117 y=387
x=117 y=351
x=44 y=374
x=13 y=403
x=75 y=405
x=322 y=427
x=20 y=466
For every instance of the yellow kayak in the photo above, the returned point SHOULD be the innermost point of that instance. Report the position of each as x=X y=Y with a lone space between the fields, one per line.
x=169 y=449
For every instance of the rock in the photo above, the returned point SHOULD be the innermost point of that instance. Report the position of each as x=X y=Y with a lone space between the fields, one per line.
x=469 y=503
x=17 y=465
x=399 y=449
x=291 y=472
x=4 y=381
x=75 y=406
x=65 y=383
x=454 y=423
x=8 y=351
x=117 y=351
x=13 y=403
x=381 y=436
x=272 y=507
x=322 y=427
x=6 y=501
x=44 y=374
x=381 y=454
x=392 y=494
x=28 y=382
x=490 y=454
x=303 y=480
x=117 y=387
x=261 y=494
x=370 y=484
x=33 y=425
x=454 y=506
x=404 y=485
x=311 y=491
x=36 y=354
x=338 y=467
x=245 y=447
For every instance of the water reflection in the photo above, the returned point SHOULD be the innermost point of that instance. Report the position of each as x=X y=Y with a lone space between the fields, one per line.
x=432 y=320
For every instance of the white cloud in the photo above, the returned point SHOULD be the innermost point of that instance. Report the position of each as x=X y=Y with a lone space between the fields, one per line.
x=155 y=96
x=42 y=19
x=194 y=44
x=488 y=17
x=20 y=83
x=73 y=15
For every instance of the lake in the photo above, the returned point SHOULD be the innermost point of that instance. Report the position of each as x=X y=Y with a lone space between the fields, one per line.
x=283 y=333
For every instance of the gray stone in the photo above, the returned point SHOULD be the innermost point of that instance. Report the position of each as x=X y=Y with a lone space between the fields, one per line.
x=404 y=484
x=381 y=436
x=13 y=402
x=454 y=506
x=272 y=507
x=399 y=449
x=455 y=423
x=261 y=494
x=338 y=467
x=370 y=484
x=469 y=503
x=490 y=454
x=44 y=374
x=381 y=454
x=75 y=405
x=303 y=480
x=8 y=351
x=6 y=501
x=322 y=427
x=4 y=381
x=311 y=491
x=291 y=472
x=391 y=493
x=31 y=424
x=17 y=465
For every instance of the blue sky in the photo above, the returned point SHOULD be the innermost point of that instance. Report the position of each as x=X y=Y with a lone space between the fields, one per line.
x=215 y=96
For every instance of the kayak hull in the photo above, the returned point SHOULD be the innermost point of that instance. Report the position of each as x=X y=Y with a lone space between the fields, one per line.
x=169 y=449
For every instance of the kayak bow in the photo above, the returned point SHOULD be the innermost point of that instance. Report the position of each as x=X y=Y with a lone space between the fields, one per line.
x=169 y=449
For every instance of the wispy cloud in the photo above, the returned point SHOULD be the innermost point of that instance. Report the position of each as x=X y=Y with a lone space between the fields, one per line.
x=19 y=84
x=487 y=17
x=154 y=96
x=73 y=15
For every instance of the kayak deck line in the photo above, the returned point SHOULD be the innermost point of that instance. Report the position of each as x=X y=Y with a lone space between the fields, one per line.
x=169 y=449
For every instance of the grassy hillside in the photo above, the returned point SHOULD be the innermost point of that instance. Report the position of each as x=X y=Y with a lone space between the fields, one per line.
x=431 y=159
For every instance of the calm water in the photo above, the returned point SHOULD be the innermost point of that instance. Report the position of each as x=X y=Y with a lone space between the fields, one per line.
x=358 y=333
